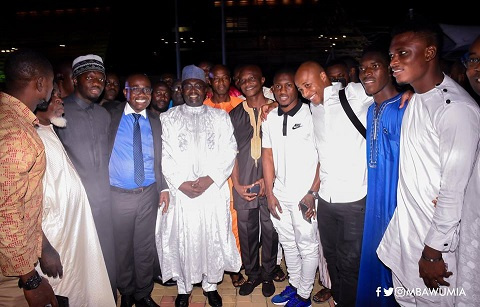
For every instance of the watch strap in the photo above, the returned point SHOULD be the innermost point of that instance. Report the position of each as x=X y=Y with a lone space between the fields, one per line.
x=313 y=193
x=32 y=282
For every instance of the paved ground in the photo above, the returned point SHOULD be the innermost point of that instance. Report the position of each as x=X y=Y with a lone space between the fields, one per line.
x=165 y=296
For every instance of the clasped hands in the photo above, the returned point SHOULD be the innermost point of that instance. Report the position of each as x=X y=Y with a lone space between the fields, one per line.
x=197 y=187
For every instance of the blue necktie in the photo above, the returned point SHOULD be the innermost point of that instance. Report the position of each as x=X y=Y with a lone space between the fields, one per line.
x=139 y=173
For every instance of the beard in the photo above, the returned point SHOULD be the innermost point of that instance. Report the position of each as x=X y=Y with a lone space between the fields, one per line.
x=59 y=121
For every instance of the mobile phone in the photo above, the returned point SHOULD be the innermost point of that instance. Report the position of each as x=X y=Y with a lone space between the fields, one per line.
x=62 y=301
x=304 y=209
x=255 y=189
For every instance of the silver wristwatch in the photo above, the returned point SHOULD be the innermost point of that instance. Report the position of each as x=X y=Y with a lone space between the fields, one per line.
x=314 y=194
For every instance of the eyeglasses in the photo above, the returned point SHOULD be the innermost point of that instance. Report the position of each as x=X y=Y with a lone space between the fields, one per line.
x=470 y=62
x=138 y=90
x=189 y=86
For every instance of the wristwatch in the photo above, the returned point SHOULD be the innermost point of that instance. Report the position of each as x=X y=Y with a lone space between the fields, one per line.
x=314 y=194
x=32 y=283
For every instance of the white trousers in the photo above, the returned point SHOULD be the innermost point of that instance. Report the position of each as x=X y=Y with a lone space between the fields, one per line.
x=300 y=247
x=206 y=286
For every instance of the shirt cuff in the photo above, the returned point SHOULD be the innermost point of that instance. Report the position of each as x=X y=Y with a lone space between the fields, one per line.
x=443 y=242
x=218 y=178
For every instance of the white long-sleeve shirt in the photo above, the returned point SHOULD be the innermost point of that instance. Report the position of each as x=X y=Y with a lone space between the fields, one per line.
x=341 y=148
x=438 y=144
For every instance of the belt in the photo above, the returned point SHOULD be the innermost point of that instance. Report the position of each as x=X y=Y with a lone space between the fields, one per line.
x=131 y=191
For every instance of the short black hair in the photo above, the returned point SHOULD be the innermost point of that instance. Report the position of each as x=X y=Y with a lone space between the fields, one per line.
x=336 y=61
x=284 y=70
x=416 y=23
x=379 y=46
x=24 y=65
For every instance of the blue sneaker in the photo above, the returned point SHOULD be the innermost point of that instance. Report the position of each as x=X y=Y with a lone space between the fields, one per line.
x=298 y=301
x=287 y=294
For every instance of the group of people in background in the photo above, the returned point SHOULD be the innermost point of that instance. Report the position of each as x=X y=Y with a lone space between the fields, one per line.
x=373 y=184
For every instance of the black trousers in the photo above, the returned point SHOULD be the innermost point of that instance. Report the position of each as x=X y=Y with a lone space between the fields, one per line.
x=134 y=217
x=341 y=231
x=250 y=223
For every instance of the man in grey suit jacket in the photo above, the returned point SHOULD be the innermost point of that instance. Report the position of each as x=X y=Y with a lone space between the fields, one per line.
x=138 y=189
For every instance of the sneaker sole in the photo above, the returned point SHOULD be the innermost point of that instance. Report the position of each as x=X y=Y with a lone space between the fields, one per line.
x=280 y=304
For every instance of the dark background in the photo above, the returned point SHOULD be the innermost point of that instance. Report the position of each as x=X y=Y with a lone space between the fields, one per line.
x=139 y=36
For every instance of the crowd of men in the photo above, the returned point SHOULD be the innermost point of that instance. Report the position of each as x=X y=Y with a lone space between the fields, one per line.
x=373 y=184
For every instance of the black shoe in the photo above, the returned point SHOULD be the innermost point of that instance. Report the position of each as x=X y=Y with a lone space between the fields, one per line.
x=268 y=288
x=249 y=286
x=147 y=301
x=127 y=300
x=168 y=283
x=214 y=299
x=182 y=300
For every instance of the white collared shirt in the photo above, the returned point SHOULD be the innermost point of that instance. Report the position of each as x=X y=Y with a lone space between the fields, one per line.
x=129 y=110
x=341 y=148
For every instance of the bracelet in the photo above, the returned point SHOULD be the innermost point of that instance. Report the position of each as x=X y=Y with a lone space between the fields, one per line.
x=431 y=259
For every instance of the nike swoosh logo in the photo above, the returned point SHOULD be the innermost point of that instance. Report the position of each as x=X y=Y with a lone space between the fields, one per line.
x=296 y=126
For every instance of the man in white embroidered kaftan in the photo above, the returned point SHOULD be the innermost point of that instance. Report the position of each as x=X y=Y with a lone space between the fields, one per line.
x=196 y=242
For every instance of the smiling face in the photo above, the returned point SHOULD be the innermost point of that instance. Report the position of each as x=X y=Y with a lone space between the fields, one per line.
x=411 y=57
x=374 y=72
x=311 y=81
x=473 y=67
x=194 y=91
x=138 y=92
x=251 y=81
x=284 y=90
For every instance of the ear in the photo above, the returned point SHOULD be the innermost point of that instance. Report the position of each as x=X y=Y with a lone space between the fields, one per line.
x=75 y=82
x=263 y=80
x=324 y=77
x=125 y=92
x=430 y=53
x=40 y=84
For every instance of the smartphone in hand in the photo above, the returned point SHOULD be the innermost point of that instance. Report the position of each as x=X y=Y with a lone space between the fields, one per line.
x=62 y=301
x=304 y=209
x=255 y=189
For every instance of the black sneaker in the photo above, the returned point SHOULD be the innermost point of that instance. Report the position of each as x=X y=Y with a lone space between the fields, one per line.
x=249 y=286
x=268 y=288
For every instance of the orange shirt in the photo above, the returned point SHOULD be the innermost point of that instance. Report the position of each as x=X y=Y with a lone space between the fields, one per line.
x=227 y=106
x=22 y=165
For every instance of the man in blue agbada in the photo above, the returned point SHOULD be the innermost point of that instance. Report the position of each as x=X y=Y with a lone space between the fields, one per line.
x=384 y=120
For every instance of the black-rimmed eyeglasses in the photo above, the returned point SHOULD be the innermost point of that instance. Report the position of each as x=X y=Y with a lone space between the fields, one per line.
x=470 y=62
x=138 y=90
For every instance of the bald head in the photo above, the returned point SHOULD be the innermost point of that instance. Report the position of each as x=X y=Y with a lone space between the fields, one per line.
x=311 y=80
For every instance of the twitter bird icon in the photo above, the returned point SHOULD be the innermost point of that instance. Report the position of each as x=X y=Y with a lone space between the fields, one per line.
x=387 y=292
